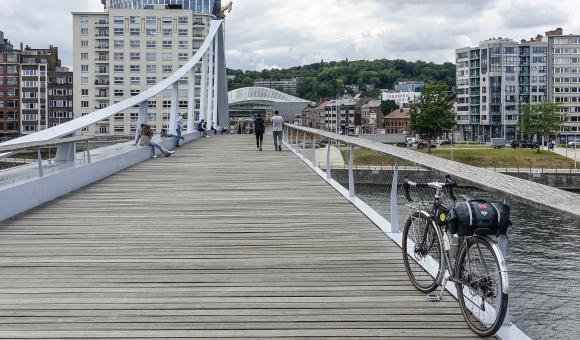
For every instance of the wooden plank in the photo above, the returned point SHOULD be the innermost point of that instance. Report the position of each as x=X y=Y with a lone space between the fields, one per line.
x=219 y=241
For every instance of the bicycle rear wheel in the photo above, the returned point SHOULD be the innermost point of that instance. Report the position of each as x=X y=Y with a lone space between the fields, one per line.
x=480 y=291
x=422 y=251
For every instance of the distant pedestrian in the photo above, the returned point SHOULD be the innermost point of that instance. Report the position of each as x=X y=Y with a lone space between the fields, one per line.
x=146 y=140
x=259 y=129
x=201 y=128
x=213 y=129
x=277 y=130
x=178 y=129
x=138 y=133
x=240 y=127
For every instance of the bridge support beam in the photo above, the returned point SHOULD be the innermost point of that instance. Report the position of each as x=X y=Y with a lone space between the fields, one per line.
x=203 y=94
x=209 y=94
x=328 y=164
x=174 y=106
x=215 y=80
x=65 y=153
x=142 y=117
x=191 y=102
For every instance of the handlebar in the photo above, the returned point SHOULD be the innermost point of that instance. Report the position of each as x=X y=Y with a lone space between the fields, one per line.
x=449 y=184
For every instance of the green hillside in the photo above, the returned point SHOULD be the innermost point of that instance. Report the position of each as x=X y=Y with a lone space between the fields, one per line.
x=328 y=79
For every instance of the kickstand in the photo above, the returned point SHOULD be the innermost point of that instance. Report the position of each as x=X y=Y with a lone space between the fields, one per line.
x=438 y=297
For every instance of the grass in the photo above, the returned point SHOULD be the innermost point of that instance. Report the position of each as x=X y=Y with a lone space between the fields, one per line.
x=481 y=157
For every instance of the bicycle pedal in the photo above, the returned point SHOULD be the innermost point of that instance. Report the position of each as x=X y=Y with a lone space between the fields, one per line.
x=434 y=298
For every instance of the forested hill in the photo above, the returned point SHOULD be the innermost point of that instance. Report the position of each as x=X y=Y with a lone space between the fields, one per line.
x=327 y=79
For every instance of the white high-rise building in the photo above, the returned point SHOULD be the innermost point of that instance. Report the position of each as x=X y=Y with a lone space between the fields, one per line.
x=132 y=46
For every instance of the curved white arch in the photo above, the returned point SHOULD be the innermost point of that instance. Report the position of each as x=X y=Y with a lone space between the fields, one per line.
x=95 y=117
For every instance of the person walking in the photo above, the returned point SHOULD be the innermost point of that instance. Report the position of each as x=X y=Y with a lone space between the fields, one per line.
x=259 y=129
x=277 y=130
x=201 y=128
x=178 y=129
x=146 y=140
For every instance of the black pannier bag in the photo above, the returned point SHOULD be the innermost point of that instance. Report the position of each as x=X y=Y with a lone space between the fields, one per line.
x=478 y=217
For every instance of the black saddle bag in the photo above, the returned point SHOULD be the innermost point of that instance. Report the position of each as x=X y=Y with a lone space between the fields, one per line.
x=478 y=217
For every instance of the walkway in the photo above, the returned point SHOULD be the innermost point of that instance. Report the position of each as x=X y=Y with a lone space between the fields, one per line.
x=219 y=241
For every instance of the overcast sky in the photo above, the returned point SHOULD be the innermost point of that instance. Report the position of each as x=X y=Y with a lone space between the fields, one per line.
x=281 y=33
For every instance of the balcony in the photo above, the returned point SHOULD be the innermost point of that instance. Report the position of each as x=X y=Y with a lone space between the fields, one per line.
x=102 y=47
x=102 y=82
x=102 y=59
x=102 y=35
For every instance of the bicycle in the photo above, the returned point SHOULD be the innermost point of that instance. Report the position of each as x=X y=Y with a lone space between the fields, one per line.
x=433 y=255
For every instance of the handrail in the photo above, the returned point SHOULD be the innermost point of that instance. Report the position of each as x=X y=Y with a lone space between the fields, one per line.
x=531 y=193
x=52 y=142
x=94 y=117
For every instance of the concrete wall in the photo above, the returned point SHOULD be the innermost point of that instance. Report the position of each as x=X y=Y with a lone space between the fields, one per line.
x=25 y=196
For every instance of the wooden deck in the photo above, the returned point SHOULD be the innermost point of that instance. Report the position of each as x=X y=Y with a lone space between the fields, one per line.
x=219 y=241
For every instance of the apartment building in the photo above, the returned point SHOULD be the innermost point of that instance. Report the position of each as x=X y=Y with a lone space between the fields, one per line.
x=131 y=47
x=289 y=86
x=29 y=90
x=372 y=117
x=403 y=99
x=564 y=81
x=494 y=80
x=314 y=116
x=343 y=115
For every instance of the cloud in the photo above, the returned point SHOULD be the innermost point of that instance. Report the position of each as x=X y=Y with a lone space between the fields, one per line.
x=280 y=33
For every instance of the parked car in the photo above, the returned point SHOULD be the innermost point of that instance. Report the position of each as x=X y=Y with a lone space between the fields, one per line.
x=423 y=145
x=524 y=144
x=574 y=142
x=447 y=142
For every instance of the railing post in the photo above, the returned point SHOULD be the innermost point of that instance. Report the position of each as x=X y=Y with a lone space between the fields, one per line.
x=296 y=140
x=394 y=199
x=328 y=164
x=39 y=155
x=88 y=151
x=142 y=117
x=191 y=101
x=304 y=143
x=313 y=153
x=351 y=191
x=502 y=242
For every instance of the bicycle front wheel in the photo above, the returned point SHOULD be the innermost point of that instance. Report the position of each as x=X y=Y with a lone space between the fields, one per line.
x=480 y=291
x=422 y=251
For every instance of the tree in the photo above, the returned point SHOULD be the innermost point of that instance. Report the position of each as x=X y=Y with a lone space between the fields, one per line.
x=541 y=119
x=388 y=106
x=432 y=114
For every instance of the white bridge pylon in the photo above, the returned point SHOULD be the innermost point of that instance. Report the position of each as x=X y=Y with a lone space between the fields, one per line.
x=208 y=50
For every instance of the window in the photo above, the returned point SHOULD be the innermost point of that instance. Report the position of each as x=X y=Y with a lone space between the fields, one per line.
x=118 y=31
x=167 y=68
x=151 y=44
x=167 y=56
x=84 y=56
x=84 y=68
x=167 y=32
x=135 y=56
x=84 y=43
x=151 y=31
x=151 y=69
x=119 y=80
x=119 y=56
x=167 y=43
x=135 y=92
x=183 y=44
x=135 y=68
x=182 y=20
x=85 y=103
x=135 y=80
x=151 y=80
x=84 y=80
x=151 y=56
x=135 y=44
x=167 y=20
x=134 y=31
x=84 y=92
x=119 y=68
x=182 y=56
x=183 y=32
x=118 y=20
x=118 y=43
x=135 y=19
x=151 y=20
x=84 y=31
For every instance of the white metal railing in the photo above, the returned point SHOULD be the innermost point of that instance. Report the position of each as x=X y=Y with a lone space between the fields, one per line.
x=320 y=150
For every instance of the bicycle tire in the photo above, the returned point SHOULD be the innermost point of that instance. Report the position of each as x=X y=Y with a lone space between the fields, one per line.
x=422 y=239
x=479 y=287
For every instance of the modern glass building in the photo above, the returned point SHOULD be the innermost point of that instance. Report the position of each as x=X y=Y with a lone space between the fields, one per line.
x=197 y=6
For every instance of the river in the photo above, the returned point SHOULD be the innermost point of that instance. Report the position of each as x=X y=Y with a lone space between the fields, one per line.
x=544 y=266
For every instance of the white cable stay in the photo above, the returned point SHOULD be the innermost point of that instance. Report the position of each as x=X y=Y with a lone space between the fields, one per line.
x=77 y=124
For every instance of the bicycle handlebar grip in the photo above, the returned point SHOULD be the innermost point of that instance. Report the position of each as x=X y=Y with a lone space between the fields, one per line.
x=407 y=185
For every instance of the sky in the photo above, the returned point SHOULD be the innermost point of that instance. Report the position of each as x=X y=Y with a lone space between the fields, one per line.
x=275 y=33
